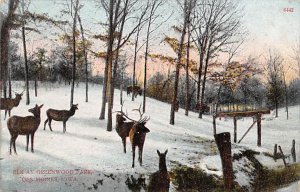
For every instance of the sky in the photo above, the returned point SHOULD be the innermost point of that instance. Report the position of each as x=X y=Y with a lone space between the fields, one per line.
x=270 y=26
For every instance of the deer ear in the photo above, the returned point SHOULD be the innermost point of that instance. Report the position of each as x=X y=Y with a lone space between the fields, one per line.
x=158 y=152
x=41 y=106
x=36 y=105
x=166 y=152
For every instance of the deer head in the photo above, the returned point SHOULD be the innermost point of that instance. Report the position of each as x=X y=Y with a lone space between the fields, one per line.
x=36 y=111
x=74 y=106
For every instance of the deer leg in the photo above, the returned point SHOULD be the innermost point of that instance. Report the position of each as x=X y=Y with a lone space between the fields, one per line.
x=124 y=144
x=9 y=113
x=49 y=123
x=11 y=143
x=141 y=155
x=14 y=143
x=133 y=155
x=5 y=114
x=32 y=141
x=27 y=142
x=45 y=123
x=64 y=124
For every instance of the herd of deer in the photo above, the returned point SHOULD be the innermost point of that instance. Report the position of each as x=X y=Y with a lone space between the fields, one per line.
x=134 y=129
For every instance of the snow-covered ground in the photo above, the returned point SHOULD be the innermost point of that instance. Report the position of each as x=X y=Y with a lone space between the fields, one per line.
x=87 y=157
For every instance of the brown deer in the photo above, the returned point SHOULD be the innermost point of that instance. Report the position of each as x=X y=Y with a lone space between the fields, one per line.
x=134 y=90
x=7 y=104
x=60 y=115
x=137 y=134
x=160 y=180
x=123 y=128
x=24 y=126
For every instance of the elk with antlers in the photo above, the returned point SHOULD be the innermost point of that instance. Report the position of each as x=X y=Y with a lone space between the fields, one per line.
x=24 y=126
x=7 y=104
x=60 y=115
x=137 y=134
x=123 y=128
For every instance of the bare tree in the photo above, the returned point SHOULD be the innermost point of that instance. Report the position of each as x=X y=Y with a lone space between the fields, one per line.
x=186 y=10
x=155 y=4
x=74 y=50
x=85 y=60
x=296 y=57
x=217 y=23
x=274 y=70
x=7 y=24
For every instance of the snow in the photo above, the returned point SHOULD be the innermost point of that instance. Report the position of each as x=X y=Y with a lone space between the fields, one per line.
x=294 y=187
x=95 y=157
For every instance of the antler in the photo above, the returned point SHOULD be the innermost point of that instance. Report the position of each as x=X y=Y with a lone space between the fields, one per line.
x=142 y=119
x=125 y=115
x=139 y=110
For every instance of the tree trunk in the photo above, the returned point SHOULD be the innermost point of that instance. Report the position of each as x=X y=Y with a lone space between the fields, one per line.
x=4 y=53
x=204 y=79
x=286 y=100
x=187 y=83
x=110 y=62
x=35 y=86
x=74 y=53
x=26 y=67
x=134 y=61
x=146 y=57
x=121 y=86
x=115 y=67
x=174 y=100
x=85 y=61
x=9 y=81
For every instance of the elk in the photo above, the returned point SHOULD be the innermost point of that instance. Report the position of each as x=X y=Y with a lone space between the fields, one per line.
x=123 y=128
x=7 y=104
x=137 y=134
x=160 y=180
x=203 y=107
x=60 y=115
x=134 y=90
x=24 y=126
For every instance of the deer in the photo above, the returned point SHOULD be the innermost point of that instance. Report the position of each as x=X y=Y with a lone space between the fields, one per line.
x=134 y=90
x=160 y=180
x=60 y=115
x=24 y=126
x=7 y=103
x=123 y=128
x=137 y=134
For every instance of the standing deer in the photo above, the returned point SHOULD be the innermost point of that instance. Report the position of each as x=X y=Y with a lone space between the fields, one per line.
x=135 y=90
x=137 y=137
x=123 y=128
x=60 y=115
x=7 y=104
x=24 y=126
x=160 y=180
x=137 y=134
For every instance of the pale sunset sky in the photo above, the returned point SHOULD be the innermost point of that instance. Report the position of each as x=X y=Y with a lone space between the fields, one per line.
x=269 y=27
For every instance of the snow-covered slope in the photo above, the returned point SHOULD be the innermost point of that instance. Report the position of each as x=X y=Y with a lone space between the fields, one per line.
x=88 y=157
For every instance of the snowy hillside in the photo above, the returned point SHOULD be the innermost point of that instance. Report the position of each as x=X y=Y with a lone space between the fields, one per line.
x=90 y=158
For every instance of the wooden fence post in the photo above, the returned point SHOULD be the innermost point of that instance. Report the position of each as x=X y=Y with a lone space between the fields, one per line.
x=235 y=129
x=275 y=152
x=293 y=151
x=283 y=157
x=224 y=145
x=258 y=129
